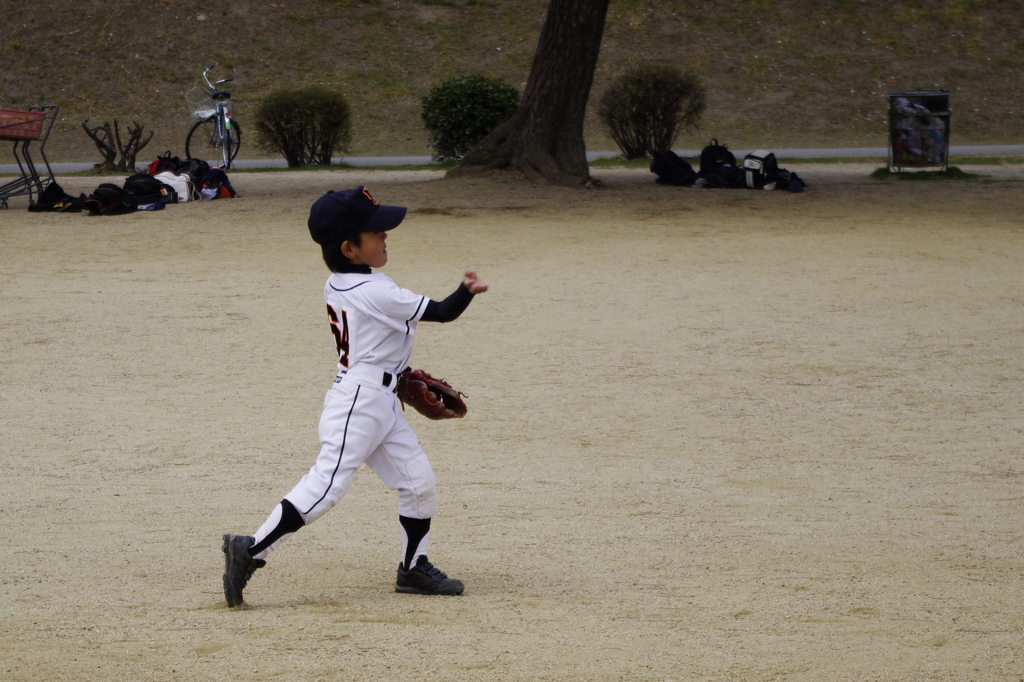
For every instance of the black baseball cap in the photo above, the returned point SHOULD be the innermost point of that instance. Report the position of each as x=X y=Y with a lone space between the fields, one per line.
x=337 y=215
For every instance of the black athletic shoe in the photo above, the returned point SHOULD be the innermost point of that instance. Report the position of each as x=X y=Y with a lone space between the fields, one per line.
x=423 y=578
x=238 y=566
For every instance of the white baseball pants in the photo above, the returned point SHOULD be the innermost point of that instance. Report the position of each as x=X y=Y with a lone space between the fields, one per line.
x=362 y=422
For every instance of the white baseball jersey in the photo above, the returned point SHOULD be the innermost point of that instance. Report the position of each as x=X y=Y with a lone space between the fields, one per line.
x=373 y=320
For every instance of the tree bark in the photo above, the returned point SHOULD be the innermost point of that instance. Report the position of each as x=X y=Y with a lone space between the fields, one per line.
x=543 y=140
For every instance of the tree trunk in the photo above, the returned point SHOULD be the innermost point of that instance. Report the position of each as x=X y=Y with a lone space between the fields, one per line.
x=543 y=140
x=130 y=150
x=103 y=137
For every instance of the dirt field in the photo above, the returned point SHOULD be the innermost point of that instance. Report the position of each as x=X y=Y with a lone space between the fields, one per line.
x=713 y=435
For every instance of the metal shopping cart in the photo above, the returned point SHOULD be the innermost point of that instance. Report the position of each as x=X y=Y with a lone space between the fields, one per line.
x=24 y=128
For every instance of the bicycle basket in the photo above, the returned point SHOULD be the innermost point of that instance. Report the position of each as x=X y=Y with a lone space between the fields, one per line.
x=200 y=104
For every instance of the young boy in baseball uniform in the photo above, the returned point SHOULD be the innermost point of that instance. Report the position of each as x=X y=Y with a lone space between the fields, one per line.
x=373 y=322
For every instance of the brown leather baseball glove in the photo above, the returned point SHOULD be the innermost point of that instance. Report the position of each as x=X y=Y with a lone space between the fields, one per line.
x=433 y=398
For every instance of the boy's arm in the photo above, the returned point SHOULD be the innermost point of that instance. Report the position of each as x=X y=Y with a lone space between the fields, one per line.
x=450 y=308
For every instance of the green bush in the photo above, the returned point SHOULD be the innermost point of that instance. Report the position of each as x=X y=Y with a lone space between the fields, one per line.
x=460 y=112
x=305 y=125
x=646 y=107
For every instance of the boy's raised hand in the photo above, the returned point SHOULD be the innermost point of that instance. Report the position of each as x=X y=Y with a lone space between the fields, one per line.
x=472 y=282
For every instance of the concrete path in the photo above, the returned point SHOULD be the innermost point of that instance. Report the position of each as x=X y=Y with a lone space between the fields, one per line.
x=376 y=161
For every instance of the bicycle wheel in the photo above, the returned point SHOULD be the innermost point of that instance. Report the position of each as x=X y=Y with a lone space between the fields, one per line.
x=232 y=142
x=202 y=141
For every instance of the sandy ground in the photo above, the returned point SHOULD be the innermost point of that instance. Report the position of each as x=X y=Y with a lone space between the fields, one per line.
x=713 y=435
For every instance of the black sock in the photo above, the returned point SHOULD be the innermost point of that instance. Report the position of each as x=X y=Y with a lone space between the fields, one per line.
x=290 y=522
x=415 y=531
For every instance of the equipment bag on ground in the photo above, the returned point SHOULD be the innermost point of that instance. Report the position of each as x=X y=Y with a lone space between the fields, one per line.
x=760 y=169
x=671 y=169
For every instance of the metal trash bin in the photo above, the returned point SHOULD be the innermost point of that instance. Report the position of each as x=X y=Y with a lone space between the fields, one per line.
x=918 y=130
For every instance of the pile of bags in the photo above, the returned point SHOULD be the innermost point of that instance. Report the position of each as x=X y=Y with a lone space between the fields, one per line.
x=167 y=180
x=718 y=168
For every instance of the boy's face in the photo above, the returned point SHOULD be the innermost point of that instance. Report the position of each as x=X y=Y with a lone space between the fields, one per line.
x=372 y=249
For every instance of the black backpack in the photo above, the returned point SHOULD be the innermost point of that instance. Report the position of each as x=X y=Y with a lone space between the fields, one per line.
x=146 y=189
x=714 y=156
x=196 y=170
x=671 y=169
x=790 y=181
x=164 y=163
x=109 y=199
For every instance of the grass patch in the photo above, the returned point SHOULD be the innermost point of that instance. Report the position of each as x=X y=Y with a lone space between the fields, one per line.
x=992 y=160
x=951 y=173
x=789 y=160
x=619 y=162
x=785 y=63
x=444 y=165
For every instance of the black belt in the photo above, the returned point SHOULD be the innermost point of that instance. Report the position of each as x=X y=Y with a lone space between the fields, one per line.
x=387 y=380
x=391 y=381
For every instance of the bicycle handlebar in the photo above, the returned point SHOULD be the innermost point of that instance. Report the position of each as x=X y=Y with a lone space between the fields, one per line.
x=213 y=86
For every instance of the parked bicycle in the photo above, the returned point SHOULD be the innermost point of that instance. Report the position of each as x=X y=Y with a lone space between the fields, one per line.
x=216 y=133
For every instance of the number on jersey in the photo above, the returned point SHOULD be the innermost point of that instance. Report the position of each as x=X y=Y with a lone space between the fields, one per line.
x=340 y=331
